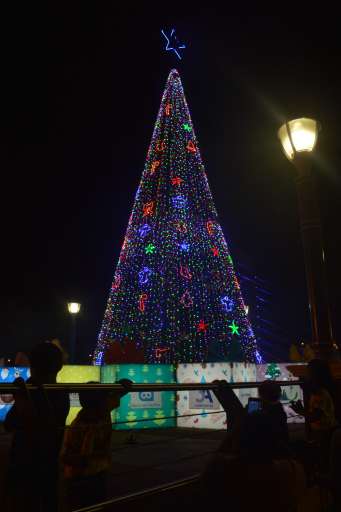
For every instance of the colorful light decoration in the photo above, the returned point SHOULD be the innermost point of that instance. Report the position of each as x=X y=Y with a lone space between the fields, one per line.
x=209 y=227
x=142 y=302
x=117 y=282
x=186 y=299
x=154 y=166
x=144 y=275
x=191 y=147
x=183 y=291
x=177 y=180
x=181 y=226
x=179 y=201
x=185 y=273
x=160 y=351
x=144 y=230
x=148 y=209
x=150 y=248
x=172 y=43
x=160 y=146
x=234 y=328
x=202 y=327
x=184 y=246
x=227 y=303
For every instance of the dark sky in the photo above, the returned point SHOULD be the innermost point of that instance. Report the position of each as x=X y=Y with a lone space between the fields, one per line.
x=79 y=109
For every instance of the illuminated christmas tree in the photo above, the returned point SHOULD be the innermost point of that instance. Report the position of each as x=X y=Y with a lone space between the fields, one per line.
x=175 y=294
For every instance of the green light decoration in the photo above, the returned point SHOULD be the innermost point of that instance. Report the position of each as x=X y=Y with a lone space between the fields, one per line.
x=273 y=371
x=150 y=248
x=234 y=328
x=187 y=127
x=229 y=259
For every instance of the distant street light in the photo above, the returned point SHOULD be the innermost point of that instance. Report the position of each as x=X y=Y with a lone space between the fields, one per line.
x=74 y=309
x=298 y=138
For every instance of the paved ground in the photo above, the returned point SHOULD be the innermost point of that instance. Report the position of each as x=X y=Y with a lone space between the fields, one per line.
x=159 y=456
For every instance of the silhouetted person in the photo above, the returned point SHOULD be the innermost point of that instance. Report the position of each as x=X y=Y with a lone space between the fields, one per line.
x=86 y=453
x=270 y=393
x=37 y=420
x=253 y=478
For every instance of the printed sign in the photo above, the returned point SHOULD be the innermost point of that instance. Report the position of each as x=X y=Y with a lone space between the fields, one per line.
x=146 y=400
x=203 y=399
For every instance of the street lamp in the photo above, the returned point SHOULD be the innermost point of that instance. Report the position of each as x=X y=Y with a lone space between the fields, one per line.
x=74 y=309
x=298 y=138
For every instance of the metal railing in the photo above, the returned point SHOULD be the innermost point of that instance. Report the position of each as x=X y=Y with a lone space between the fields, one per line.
x=76 y=387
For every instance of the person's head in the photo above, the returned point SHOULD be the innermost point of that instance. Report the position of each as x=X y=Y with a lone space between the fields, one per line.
x=96 y=401
x=269 y=391
x=46 y=360
x=258 y=441
x=319 y=374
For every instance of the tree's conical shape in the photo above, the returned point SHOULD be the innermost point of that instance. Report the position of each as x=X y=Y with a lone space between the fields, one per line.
x=175 y=293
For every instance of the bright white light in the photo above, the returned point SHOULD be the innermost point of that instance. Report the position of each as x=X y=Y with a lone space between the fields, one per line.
x=303 y=136
x=247 y=309
x=73 y=307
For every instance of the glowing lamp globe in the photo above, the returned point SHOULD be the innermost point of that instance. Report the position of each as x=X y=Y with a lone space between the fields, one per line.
x=298 y=136
x=73 y=307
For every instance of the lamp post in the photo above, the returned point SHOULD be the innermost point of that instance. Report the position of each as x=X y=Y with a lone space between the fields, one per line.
x=73 y=308
x=298 y=138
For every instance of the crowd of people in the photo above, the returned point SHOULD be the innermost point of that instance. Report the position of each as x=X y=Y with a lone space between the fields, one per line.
x=257 y=466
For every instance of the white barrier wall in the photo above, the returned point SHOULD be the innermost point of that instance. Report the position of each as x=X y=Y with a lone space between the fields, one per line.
x=204 y=402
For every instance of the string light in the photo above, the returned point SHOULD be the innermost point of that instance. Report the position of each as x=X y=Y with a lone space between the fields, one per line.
x=192 y=300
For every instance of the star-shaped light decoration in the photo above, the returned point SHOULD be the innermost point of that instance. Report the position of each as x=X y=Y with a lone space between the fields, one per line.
x=184 y=246
x=187 y=127
x=202 y=327
x=173 y=43
x=234 y=328
x=150 y=248
x=215 y=251
x=177 y=180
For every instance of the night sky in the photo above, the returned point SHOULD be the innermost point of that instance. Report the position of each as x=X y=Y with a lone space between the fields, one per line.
x=79 y=109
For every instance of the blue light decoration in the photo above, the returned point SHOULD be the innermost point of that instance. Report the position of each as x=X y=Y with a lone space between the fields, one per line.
x=144 y=275
x=172 y=43
x=179 y=201
x=192 y=298
x=259 y=358
x=144 y=230
x=184 y=246
x=227 y=303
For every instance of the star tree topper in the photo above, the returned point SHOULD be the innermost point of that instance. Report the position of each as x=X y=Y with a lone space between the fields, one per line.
x=172 y=43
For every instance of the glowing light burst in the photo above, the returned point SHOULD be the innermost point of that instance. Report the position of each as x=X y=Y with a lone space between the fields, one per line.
x=172 y=43
x=175 y=285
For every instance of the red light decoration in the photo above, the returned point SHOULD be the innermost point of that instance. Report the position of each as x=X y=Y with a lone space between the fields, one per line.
x=209 y=227
x=202 y=327
x=142 y=302
x=160 y=145
x=181 y=226
x=177 y=180
x=148 y=209
x=117 y=282
x=154 y=166
x=215 y=251
x=191 y=147
x=186 y=299
x=168 y=109
x=184 y=272
x=160 y=351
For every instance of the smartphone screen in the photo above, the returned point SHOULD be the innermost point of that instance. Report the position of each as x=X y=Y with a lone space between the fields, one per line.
x=254 y=405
